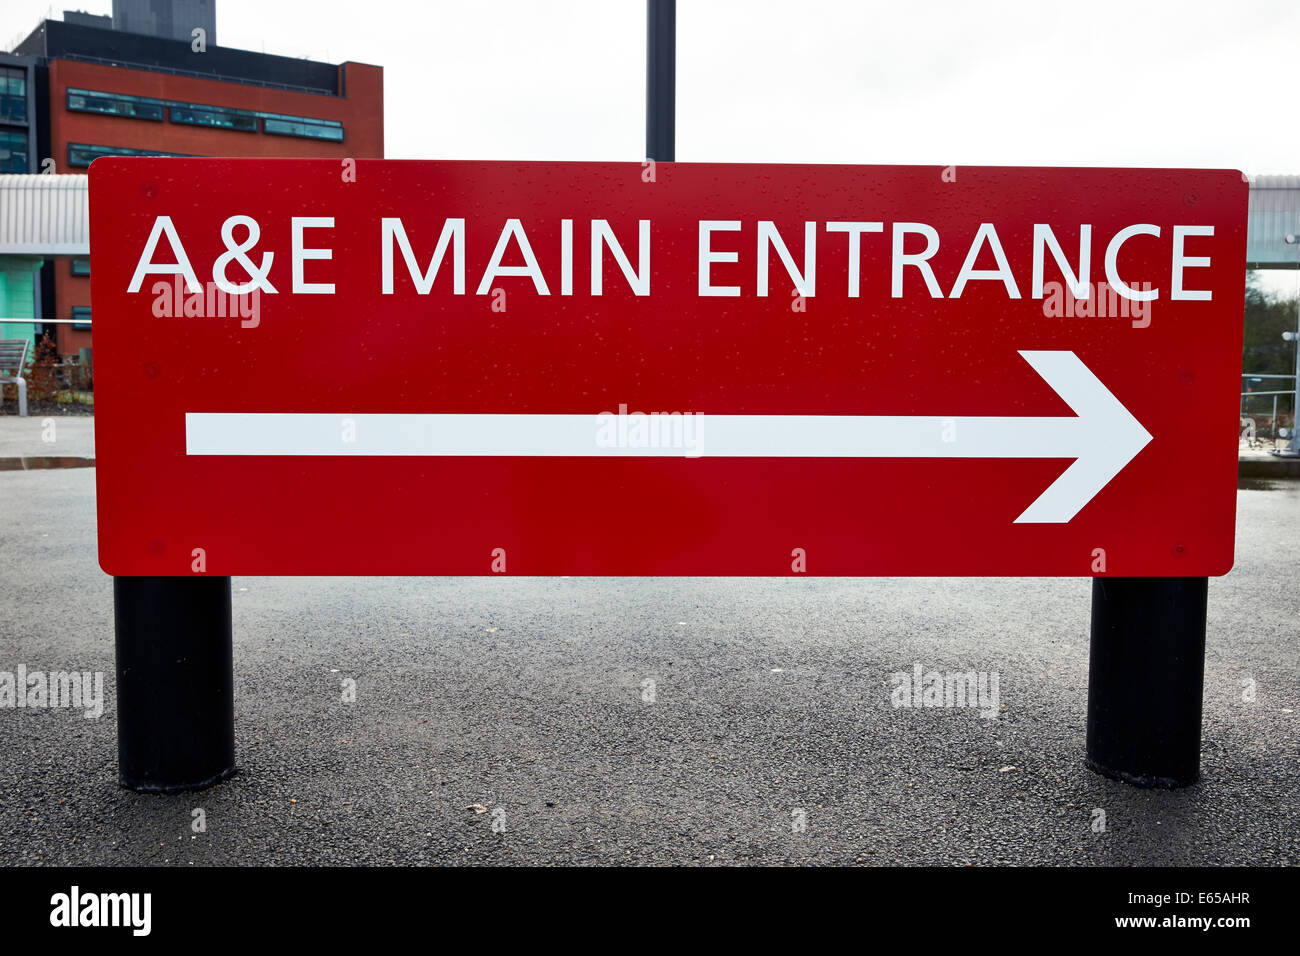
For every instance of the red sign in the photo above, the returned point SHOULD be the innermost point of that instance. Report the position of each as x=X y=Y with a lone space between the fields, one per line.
x=426 y=368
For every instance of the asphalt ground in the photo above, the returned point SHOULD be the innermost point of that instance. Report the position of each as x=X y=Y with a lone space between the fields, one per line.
x=512 y=720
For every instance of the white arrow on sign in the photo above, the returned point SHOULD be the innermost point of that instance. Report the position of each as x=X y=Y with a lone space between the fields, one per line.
x=1102 y=438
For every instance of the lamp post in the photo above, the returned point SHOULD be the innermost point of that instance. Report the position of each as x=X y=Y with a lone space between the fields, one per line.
x=1292 y=450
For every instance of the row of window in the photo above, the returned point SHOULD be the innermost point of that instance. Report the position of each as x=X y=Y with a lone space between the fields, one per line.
x=13 y=95
x=197 y=114
x=83 y=154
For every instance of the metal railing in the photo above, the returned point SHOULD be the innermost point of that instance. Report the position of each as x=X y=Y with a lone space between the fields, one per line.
x=1275 y=394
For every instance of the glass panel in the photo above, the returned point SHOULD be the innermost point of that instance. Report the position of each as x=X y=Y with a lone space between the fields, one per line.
x=13 y=95
x=13 y=152
x=202 y=116
x=13 y=108
x=306 y=128
x=113 y=104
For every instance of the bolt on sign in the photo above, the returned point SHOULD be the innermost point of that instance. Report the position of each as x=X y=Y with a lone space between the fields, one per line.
x=462 y=368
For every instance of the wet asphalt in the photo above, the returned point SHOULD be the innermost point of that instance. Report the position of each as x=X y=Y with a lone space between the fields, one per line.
x=634 y=721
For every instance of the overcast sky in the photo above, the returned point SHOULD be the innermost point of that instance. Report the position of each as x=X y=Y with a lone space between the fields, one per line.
x=1127 y=83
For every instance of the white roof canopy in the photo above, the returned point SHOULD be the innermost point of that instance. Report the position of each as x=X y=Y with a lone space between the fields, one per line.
x=44 y=215
x=49 y=216
x=1274 y=215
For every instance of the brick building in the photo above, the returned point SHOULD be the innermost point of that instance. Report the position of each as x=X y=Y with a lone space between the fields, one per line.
x=101 y=90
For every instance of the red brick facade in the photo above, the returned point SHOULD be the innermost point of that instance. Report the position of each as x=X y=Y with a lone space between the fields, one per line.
x=361 y=111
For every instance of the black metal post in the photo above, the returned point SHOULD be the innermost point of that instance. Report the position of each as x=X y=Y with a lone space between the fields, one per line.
x=175 y=682
x=661 y=80
x=1146 y=676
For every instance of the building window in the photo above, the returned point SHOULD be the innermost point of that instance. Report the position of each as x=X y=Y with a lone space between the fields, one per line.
x=13 y=95
x=199 y=114
x=80 y=267
x=81 y=317
x=82 y=155
x=301 y=126
x=114 y=104
x=13 y=151
x=212 y=116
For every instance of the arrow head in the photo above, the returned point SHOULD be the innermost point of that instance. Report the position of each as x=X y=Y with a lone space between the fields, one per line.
x=1108 y=437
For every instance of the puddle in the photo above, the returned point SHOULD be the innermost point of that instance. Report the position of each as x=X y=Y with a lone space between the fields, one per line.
x=41 y=462
x=1267 y=484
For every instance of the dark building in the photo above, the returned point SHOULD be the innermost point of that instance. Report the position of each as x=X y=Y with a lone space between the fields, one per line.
x=103 y=90
x=88 y=19
x=175 y=19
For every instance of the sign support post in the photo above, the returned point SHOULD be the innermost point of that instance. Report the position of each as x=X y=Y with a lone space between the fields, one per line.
x=1146 y=674
x=661 y=81
x=175 y=682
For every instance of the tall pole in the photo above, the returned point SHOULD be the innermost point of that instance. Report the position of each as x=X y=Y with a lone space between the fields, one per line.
x=1292 y=448
x=175 y=682
x=661 y=80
